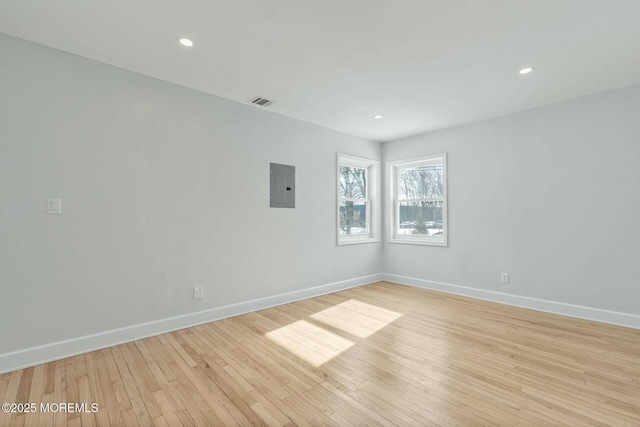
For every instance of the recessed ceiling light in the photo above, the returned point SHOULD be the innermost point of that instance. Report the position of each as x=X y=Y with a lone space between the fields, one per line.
x=377 y=117
x=526 y=70
x=185 y=41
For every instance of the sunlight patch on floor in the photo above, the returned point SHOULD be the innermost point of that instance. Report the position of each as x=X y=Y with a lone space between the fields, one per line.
x=312 y=343
x=356 y=317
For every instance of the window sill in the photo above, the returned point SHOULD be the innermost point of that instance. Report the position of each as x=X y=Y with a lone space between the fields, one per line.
x=357 y=241
x=422 y=242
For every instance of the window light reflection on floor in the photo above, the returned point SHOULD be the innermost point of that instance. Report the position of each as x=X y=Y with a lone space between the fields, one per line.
x=317 y=345
x=312 y=343
x=356 y=317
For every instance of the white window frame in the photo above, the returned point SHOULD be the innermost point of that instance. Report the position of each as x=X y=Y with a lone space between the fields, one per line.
x=373 y=209
x=394 y=202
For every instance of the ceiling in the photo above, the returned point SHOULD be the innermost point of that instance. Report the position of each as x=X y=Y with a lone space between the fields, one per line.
x=421 y=64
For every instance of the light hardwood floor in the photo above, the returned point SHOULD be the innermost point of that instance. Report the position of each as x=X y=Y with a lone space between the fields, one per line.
x=381 y=354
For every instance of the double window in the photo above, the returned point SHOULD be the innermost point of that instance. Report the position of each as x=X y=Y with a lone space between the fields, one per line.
x=357 y=200
x=418 y=200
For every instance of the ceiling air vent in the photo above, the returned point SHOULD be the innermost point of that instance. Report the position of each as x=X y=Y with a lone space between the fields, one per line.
x=263 y=102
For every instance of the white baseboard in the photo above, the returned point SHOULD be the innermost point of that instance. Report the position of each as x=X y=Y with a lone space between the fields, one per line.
x=571 y=310
x=54 y=351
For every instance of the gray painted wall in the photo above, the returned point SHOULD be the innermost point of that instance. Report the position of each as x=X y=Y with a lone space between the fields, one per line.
x=163 y=188
x=549 y=195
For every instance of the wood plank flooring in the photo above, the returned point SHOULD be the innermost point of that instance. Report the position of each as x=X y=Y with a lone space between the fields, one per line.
x=378 y=355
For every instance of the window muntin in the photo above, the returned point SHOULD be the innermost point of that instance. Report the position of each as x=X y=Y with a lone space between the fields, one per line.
x=419 y=201
x=356 y=200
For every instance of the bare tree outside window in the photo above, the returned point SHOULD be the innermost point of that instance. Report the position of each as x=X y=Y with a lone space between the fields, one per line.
x=420 y=200
x=352 y=194
x=418 y=214
x=357 y=200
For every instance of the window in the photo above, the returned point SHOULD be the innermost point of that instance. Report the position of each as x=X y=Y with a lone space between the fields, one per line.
x=357 y=206
x=418 y=211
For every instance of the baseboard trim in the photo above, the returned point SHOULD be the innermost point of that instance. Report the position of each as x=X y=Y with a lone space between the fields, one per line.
x=564 y=309
x=59 y=350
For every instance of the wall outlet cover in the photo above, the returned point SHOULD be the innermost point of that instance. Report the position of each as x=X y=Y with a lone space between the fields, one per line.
x=54 y=206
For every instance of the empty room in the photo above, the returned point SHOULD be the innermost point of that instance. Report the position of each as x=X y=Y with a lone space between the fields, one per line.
x=306 y=213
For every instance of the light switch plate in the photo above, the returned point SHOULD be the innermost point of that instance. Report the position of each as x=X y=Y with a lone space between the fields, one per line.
x=54 y=206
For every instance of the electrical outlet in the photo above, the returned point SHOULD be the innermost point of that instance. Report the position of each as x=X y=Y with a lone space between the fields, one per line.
x=54 y=206
x=197 y=292
x=505 y=277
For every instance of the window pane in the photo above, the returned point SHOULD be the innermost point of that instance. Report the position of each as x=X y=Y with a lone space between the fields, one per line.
x=424 y=182
x=353 y=218
x=352 y=183
x=420 y=218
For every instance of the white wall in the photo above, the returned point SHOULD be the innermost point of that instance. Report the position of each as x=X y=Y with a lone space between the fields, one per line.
x=163 y=188
x=551 y=196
